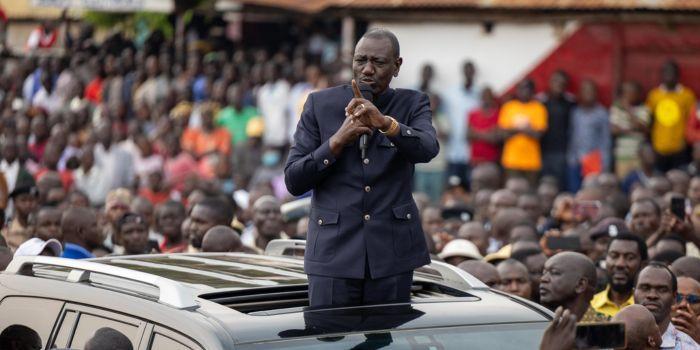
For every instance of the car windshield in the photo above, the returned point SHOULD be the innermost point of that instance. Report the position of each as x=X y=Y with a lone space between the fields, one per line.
x=494 y=337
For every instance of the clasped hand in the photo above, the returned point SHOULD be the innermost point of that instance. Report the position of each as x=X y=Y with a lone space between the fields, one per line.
x=361 y=117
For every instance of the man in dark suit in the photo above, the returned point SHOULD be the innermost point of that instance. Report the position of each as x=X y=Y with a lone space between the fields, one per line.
x=365 y=236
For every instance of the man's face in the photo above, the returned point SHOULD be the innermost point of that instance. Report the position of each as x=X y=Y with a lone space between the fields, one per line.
x=116 y=210
x=694 y=191
x=375 y=63
x=515 y=280
x=654 y=291
x=91 y=231
x=559 y=282
x=622 y=264
x=432 y=221
x=169 y=221
x=645 y=220
x=267 y=218
x=531 y=206
x=689 y=287
x=25 y=203
x=201 y=220
x=48 y=224
x=535 y=267
x=501 y=200
x=600 y=248
x=134 y=237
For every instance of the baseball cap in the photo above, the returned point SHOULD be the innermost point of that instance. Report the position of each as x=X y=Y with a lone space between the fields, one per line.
x=610 y=227
x=35 y=246
x=460 y=247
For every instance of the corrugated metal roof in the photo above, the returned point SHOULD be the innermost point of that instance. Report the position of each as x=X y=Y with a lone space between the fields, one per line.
x=312 y=6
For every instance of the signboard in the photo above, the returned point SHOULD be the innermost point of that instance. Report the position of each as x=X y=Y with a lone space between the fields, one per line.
x=109 y=5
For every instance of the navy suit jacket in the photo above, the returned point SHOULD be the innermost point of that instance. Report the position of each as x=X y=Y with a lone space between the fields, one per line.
x=362 y=210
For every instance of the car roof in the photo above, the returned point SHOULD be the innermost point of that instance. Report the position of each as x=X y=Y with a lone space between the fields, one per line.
x=257 y=297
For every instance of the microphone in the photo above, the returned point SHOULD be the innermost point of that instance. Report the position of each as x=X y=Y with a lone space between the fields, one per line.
x=367 y=93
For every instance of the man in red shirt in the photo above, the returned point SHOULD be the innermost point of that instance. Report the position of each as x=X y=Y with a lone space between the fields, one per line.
x=483 y=132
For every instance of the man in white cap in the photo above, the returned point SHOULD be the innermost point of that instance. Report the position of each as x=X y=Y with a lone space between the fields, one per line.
x=37 y=246
x=459 y=250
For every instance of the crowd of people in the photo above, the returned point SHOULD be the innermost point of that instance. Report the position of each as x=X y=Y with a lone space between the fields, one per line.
x=118 y=149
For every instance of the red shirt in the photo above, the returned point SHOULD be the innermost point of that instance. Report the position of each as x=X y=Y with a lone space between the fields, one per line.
x=483 y=120
x=179 y=248
x=93 y=91
x=154 y=197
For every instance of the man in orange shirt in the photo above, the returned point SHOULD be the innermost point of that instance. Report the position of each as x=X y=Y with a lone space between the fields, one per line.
x=208 y=139
x=522 y=122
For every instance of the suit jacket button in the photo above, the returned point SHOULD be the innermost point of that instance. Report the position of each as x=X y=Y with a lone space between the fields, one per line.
x=325 y=162
x=391 y=144
x=408 y=216
x=366 y=217
x=408 y=132
x=320 y=222
x=367 y=188
x=366 y=161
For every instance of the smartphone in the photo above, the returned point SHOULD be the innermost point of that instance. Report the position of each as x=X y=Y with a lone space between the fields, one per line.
x=678 y=207
x=609 y=335
x=564 y=243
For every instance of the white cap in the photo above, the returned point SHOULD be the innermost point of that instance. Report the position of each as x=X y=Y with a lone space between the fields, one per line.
x=460 y=247
x=35 y=246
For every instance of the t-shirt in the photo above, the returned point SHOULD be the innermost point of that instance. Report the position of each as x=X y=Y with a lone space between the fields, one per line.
x=236 y=121
x=520 y=151
x=481 y=120
x=671 y=109
x=200 y=142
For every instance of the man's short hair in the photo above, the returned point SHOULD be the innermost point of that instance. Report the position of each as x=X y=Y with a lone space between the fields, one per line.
x=657 y=208
x=662 y=266
x=522 y=254
x=128 y=218
x=641 y=244
x=223 y=211
x=381 y=33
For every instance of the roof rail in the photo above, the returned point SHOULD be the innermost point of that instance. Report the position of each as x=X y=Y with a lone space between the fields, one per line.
x=171 y=293
x=277 y=247
x=455 y=275
x=449 y=273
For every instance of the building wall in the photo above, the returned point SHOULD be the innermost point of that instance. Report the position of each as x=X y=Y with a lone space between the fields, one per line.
x=502 y=57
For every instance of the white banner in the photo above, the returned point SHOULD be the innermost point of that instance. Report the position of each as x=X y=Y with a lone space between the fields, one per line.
x=110 y=5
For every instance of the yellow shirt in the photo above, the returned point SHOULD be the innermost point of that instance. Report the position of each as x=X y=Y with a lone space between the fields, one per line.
x=522 y=152
x=671 y=109
x=601 y=303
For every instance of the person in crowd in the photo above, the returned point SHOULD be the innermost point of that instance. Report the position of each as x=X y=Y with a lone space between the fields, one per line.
x=482 y=132
x=559 y=104
x=209 y=212
x=168 y=222
x=222 y=239
x=686 y=311
x=37 y=246
x=534 y=259
x=18 y=337
x=90 y=176
x=459 y=101
x=645 y=217
x=117 y=164
x=267 y=224
x=641 y=331
x=25 y=200
x=132 y=230
x=207 y=140
x=46 y=223
x=569 y=280
x=474 y=232
x=515 y=278
x=656 y=289
x=671 y=104
x=483 y=271
x=522 y=122
x=588 y=152
x=457 y=251
x=80 y=233
x=272 y=103
x=146 y=210
x=629 y=123
x=626 y=255
x=687 y=266
x=118 y=203
x=235 y=116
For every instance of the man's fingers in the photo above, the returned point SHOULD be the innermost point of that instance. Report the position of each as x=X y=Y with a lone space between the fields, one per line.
x=680 y=322
x=356 y=89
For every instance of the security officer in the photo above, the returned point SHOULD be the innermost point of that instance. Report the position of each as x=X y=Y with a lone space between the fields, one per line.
x=365 y=236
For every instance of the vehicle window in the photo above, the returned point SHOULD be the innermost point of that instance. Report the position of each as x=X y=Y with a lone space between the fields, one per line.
x=29 y=320
x=493 y=337
x=162 y=342
x=88 y=324
x=65 y=329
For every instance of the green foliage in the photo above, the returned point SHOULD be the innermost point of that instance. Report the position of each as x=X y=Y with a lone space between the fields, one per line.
x=132 y=22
